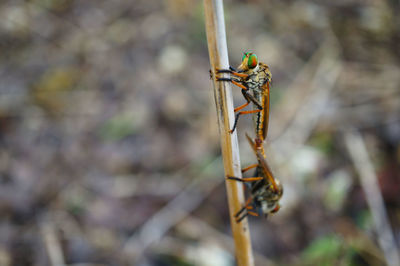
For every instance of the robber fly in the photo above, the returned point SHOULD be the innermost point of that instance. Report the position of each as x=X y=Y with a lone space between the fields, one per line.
x=265 y=189
x=255 y=77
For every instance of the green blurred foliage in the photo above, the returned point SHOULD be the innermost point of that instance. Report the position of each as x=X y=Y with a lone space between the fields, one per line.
x=117 y=127
x=326 y=251
x=170 y=260
x=50 y=89
x=323 y=141
x=337 y=189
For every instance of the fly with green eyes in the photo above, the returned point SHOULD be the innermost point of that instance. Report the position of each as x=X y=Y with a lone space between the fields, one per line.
x=265 y=189
x=255 y=77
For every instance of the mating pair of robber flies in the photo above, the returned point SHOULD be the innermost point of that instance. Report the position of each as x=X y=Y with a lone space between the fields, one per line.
x=254 y=78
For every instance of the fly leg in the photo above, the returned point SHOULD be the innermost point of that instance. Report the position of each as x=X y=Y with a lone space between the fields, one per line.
x=246 y=95
x=245 y=211
x=249 y=167
x=249 y=98
x=238 y=219
x=242 y=113
x=245 y=91
x=232 y=71
x=245 y=179
x=247 y=208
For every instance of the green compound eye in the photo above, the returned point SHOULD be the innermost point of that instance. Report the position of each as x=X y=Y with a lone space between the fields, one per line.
x=244 y=56
x=253 y=61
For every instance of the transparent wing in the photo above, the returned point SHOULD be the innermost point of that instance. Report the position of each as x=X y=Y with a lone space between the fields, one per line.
x=263 y=162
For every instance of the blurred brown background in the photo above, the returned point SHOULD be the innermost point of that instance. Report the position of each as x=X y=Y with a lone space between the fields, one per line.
x=110 y=150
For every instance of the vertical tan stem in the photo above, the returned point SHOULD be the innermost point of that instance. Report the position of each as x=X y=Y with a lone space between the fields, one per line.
x=215 y=28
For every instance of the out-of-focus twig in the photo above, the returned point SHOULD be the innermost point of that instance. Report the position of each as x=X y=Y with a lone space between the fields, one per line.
x=316 y=82
x=313 y=105
x=52 y=243
x=359 y=155
x=359 y=240
x=223 y=239
x=176 y=210
x=218 y=52
x=295 y=94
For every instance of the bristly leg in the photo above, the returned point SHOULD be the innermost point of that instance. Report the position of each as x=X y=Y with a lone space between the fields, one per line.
x=249 y=98
x=240 y=211
x=224 y=71
x=232 y=71
x=246 y=207
x=245 y=91
x=227 y=79
x=242 y=113
x=249 y=167
x=239 y=219
x=245 y=179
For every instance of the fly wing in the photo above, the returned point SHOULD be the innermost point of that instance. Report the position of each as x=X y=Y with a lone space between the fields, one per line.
x=263 y=164
x=267 y=170
x=265 y=110
x=252 y=144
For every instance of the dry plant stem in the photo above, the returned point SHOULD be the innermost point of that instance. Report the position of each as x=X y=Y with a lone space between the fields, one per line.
x=215 y=29
x=53 y=245
x=359 y=154
x=222 y=239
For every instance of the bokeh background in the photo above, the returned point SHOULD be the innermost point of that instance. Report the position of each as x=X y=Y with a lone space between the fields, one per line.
x=109 y=145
